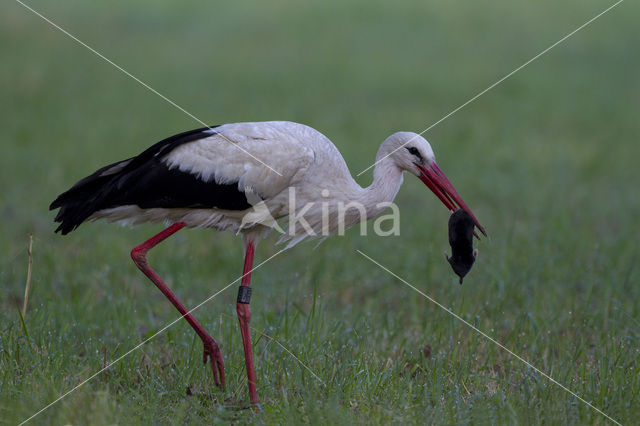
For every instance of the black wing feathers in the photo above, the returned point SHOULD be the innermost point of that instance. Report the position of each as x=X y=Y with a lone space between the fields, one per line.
x=155 y=185
x=147 y=182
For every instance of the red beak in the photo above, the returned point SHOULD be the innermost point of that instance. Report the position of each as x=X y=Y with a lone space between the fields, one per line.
x=438 y=183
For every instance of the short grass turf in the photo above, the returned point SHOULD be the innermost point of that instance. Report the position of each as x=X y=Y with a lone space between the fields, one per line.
x=547 y=160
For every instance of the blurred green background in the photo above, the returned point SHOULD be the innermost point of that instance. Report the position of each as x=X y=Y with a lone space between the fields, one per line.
x=547 y=160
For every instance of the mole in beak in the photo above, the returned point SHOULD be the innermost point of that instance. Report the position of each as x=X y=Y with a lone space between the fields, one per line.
x=463 y=255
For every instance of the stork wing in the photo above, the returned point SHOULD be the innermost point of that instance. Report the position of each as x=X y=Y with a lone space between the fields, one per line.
x=263 y=158
x=218 y=167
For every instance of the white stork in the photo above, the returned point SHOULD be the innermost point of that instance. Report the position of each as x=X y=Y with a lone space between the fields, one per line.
x=240 y=177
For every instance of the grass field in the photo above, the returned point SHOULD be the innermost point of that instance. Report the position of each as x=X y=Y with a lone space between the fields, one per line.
x=547 y=160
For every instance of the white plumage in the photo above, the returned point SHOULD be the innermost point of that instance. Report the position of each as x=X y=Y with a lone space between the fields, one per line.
x=244 y=177
x=307 y=162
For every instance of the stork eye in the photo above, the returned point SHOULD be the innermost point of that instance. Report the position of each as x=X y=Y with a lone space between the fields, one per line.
x=414 y=151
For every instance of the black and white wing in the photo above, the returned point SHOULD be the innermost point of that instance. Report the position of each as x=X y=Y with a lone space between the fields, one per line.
x=207 y=168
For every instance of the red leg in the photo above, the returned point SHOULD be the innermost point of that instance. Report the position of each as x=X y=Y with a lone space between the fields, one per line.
x=244 y=317
x=211 y=350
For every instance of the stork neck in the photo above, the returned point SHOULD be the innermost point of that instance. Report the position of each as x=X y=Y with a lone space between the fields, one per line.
x=387 y=179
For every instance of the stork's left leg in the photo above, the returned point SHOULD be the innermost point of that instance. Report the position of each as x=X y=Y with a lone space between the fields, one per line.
x=211 y=349
x=244 y=317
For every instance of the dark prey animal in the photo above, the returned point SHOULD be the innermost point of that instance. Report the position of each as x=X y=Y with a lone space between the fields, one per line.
x=461 y=241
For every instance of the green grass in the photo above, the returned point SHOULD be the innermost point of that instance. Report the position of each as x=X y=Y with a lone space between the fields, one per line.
x=547 y=160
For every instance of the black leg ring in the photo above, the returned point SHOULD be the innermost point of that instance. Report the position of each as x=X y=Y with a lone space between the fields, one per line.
x=244 y=294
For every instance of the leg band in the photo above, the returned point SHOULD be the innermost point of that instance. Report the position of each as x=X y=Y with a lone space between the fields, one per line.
x=244 y=294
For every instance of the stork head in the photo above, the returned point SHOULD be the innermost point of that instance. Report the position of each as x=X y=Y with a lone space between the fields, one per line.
x=412 y=153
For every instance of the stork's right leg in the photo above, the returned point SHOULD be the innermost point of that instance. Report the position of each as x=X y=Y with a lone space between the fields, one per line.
x=211 y=350
x=244 y=317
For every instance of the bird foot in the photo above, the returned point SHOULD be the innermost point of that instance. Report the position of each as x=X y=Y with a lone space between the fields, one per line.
x=212 y=352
